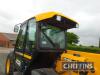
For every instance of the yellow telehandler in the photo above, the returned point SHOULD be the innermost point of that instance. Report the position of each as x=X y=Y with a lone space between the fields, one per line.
x=41 y=49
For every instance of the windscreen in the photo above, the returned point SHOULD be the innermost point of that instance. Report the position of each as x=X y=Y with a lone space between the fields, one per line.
x=52 y=37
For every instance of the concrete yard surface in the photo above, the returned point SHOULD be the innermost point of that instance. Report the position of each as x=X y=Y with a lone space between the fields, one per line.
x=3 y=55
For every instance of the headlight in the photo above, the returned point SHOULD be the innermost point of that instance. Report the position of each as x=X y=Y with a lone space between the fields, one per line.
x=77 y=25
x=58 y=18
x=66 y=59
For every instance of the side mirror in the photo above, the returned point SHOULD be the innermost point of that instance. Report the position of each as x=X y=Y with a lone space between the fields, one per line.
x=17 y=28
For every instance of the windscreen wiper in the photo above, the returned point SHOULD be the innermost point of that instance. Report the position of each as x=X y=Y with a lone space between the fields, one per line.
x=53 y=44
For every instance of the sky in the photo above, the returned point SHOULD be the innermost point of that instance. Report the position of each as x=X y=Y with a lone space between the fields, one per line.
x=85 y=12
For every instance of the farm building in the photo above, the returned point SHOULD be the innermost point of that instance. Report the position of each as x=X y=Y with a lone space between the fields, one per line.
x=7 y=40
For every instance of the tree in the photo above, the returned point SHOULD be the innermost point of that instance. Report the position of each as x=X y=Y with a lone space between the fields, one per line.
x=72 y=38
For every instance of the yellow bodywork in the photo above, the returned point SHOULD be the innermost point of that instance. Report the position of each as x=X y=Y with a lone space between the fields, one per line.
x=84 y=57
x=24 y=55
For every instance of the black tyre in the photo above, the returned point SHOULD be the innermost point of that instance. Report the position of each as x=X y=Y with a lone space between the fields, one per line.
x=9 y=67
x=43 y=71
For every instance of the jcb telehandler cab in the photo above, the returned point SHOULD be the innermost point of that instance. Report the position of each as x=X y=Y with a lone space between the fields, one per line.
x=39 y=45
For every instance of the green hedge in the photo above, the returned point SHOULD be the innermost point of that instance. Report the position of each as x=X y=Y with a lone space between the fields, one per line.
x=84 y=48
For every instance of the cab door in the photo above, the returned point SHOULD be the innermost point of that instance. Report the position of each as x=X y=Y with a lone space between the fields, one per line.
x=30 y=43
x=20 y=45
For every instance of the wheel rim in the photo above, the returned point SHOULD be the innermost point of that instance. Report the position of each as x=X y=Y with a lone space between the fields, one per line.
x=8 y=66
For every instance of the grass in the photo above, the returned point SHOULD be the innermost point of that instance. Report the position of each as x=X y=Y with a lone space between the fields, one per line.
x=84 y=48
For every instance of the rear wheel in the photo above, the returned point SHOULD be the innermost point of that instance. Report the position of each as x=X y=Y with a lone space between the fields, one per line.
x=9 y=67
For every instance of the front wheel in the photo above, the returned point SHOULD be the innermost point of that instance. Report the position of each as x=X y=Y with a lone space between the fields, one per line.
x=9 y=67
x=43 y=71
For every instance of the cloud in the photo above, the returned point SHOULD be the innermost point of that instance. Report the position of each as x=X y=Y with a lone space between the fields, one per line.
x=86 y=12
x=89 y=28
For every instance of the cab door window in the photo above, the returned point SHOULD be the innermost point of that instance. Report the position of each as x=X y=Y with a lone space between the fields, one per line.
x=21 y=37
x=31 y=35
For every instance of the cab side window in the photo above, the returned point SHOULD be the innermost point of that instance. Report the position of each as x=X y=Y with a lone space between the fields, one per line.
x=21 y=37
x=31 y=35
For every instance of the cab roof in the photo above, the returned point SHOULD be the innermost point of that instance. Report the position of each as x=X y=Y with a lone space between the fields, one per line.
x=52 y=18
x=47 y=15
